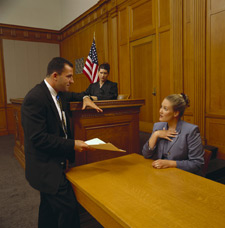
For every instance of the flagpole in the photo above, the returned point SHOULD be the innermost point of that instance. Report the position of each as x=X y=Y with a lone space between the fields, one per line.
x=94 y=35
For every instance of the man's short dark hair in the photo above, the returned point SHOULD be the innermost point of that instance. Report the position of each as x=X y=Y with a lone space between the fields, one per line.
x=104 y=66
x=57 y=65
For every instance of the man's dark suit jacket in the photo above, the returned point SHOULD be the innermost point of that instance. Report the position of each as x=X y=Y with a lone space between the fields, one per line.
x=108 y=91
x=46 y=149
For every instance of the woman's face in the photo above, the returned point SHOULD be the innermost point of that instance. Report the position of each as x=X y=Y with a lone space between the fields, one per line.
x=166 y=112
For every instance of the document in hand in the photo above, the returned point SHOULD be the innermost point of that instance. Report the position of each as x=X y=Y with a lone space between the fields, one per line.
x=101 y=145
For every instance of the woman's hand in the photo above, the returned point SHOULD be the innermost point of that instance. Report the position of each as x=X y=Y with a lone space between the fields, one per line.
x=163 y=164
x=166 y=134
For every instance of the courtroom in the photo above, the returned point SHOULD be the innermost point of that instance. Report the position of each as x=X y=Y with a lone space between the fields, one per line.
x=112 y=113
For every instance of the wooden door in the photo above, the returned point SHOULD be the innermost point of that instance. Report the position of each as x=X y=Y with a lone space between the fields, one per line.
x=143 y=81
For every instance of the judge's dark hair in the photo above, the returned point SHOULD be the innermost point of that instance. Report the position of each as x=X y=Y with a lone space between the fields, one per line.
x=179 y=102
x=104 y=66
x=57 y=65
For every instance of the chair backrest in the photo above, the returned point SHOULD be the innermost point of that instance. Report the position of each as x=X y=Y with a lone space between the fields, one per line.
x=123 y=96
x=207 y=157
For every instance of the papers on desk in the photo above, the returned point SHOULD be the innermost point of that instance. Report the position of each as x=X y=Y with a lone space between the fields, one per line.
x=101 y=145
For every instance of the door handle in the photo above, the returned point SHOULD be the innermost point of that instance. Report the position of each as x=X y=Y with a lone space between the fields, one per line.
x=154 y=92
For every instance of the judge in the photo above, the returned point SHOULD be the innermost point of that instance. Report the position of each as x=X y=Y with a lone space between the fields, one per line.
x=103 y=89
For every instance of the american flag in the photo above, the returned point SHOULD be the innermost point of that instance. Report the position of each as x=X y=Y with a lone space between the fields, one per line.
x=91 y=65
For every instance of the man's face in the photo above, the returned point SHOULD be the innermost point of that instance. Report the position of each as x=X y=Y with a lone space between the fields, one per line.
x=65 y=79
x=103 y=75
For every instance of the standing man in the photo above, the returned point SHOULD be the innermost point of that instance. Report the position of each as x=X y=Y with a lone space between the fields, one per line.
x=104 y=89
x=49 y=144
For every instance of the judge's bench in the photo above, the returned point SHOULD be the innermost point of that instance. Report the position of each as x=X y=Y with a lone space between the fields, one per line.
x=117 y=124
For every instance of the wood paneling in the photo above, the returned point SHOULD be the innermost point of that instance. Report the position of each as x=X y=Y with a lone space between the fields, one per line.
x=176 y=45
x=215 y=129
x=3 y=123
x=180 y=60
x=29 y=34
x=164 y=65
x=188 y=51
x=19 y=135
x=216 y=66
x=11 y=125
x=124 y=69
x=215 y=79
x=113 y=47
x=2 y=78
x=123 y=25
x=142 y=20
x=118 y=116
x=194 y=60
x=3 y=119
x=164 y=12
x=215 y=5
x=143 y=78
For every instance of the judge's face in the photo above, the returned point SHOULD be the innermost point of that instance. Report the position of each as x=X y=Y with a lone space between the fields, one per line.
x=166 y=112
x=65 y=79
x=103 y=75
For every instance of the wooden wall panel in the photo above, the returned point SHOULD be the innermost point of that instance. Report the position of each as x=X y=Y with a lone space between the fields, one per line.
x=106 y=42
x=215 y=129
x=123 y=25
x=164 y=12
x=176 y=45
x=215 y=80
x=2 y=78
x=164 y=65
x=3 y=122
x=124 y=69
x=188 y=49
x=194 y=61
x=10 y=119
x=142 y=20
x=216 y=66
x=113 y=47
x=143 y=78
x=216 y=5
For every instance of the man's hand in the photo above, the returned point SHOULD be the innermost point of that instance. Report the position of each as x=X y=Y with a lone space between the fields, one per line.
x=88 y=102
x=80 y=146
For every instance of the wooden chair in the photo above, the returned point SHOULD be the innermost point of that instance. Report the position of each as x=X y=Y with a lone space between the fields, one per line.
x=123 y=96
x=207 y=157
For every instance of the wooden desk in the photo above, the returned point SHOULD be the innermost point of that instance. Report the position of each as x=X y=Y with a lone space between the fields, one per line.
x=127 y=192
x=118 y=124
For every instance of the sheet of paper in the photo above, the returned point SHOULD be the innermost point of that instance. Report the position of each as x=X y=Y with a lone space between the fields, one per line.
x=94 y=141
x=101 y=145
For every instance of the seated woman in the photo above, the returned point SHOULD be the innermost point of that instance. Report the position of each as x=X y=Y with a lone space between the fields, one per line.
x=103 y=89
x=174 y=142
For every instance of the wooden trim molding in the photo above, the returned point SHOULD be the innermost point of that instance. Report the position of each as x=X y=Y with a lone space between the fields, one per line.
x=13 y=32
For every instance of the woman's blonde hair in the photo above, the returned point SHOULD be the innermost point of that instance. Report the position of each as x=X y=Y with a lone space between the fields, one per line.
x=179 y=102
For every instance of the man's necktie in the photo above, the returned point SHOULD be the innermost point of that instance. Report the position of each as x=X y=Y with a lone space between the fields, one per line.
x=58 y=98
